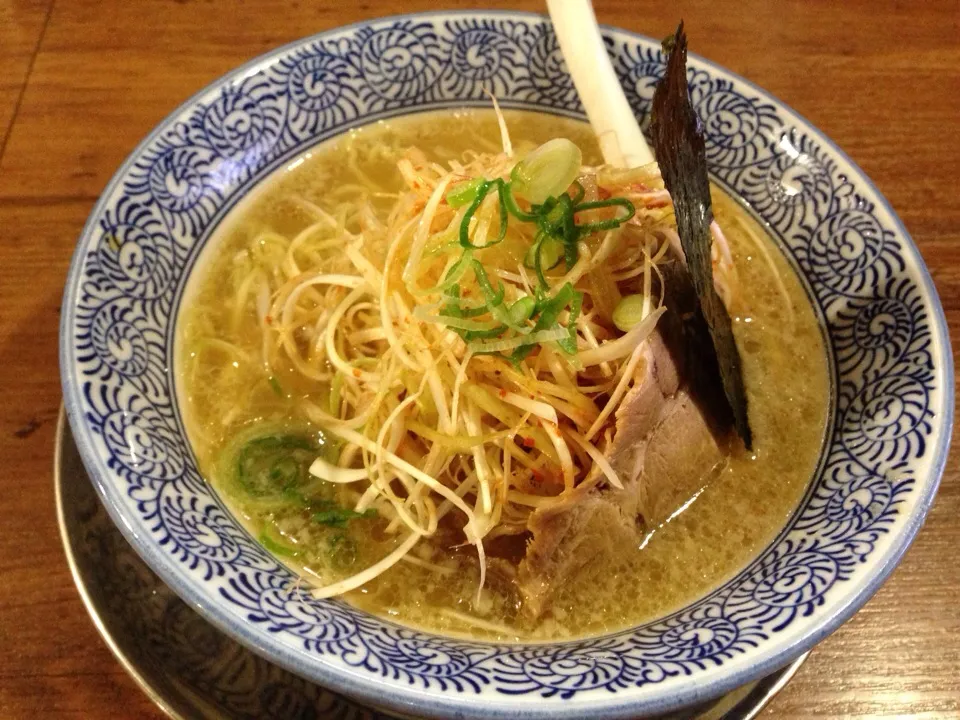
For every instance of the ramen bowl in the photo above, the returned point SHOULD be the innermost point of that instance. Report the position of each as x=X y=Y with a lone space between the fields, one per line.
x=890 y=400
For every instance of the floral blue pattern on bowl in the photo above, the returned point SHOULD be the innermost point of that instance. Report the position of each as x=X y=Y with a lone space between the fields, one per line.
x=891 y=409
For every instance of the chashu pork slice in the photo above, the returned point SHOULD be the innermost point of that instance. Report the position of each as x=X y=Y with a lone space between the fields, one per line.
x=664 y=451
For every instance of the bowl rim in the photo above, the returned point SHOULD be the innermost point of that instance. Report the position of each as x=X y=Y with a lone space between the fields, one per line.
x=390 y=693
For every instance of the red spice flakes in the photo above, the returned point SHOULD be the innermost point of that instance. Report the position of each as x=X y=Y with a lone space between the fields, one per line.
x=527 y=442
x=357 y=373
x=503 y=393
x=541 y=477
x=268 y=319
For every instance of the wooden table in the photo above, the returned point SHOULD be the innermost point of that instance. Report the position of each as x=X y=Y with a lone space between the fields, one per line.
x=81 y=81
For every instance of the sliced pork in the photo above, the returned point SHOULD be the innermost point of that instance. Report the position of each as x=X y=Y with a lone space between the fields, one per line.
x=664 y=451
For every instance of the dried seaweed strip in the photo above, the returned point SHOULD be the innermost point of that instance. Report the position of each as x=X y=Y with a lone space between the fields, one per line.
x=681 y=154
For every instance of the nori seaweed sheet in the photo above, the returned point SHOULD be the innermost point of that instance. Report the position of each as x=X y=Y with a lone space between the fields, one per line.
x=681 y=153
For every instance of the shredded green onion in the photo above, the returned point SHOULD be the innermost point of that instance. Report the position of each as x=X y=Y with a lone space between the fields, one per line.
x=532 y=339
x=269 y=465
x=613 y=222
x=493 y=297
x=454 y=307
x=482 y=190
x=522 y=309
x=459 y=442
x=544 y=178
x=548 y=320
x=629 y=312
x=276 y=547
x=547 y=171
x=464 y=193
x=453 y=321
x=336 y=386
x=569 y=343
x=275 y=385
x=550 y=251
x=339 y=517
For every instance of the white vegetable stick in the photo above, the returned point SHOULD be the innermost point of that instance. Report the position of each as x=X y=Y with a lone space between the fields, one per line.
x=598 y=457
x=623 y=345
x=563 y=452
x=504 y=133
x=621 y=141
x=331 y=473
x=423 y=230
x=614 y=402
x=540 y=409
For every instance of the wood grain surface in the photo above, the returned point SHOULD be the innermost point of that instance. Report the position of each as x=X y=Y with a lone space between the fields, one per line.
x=82 y=81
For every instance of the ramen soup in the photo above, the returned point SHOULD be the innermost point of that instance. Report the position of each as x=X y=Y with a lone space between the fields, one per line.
x=446 y=367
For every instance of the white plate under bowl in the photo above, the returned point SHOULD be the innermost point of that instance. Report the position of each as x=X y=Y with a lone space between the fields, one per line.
x=891 y=365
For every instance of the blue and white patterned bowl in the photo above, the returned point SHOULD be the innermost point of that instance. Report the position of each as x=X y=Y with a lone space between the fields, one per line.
x=891 y=398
